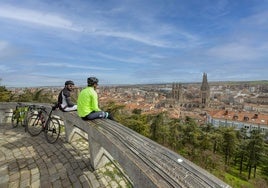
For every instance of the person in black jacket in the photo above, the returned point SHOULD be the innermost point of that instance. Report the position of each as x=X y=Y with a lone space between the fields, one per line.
x=64 y=98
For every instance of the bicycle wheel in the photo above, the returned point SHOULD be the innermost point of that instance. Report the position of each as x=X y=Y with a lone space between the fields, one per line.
x=35 y=123
x=30 y=110
x=23 y=116
x=52 y=130
x=14 y=119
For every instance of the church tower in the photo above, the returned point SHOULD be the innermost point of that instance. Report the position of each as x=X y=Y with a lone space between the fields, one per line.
x=205 y=91
x=177 y=92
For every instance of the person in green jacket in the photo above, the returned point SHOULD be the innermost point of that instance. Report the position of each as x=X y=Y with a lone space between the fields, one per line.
x=87 y=102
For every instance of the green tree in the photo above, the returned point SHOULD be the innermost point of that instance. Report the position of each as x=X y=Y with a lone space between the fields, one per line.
x=4 y=94
x=174 y=139
x=137 y=123
x=240 y=154
x=37 y=96
x=264 y=161
x=116 y=110
x=207 y=132
x=156 y=127
x=191 y=137
x=136 y=111
x=255 y=150
x=229 y=143
x=26 y=96
x=41 y=96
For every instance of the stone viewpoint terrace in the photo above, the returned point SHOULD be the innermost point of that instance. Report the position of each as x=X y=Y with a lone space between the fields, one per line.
x=30 y=162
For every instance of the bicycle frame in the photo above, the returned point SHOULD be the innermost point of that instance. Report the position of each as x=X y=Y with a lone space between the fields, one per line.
x=47 y=123
x=19 y=115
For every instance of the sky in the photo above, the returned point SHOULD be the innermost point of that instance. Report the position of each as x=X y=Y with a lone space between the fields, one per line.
x=46 y=42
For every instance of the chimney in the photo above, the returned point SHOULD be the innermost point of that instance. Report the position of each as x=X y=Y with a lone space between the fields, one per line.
x=255 y=116
x=235 y=117
x=246 y=118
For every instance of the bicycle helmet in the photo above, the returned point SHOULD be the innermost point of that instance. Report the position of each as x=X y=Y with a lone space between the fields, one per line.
x=92 y=80
x=69 y=82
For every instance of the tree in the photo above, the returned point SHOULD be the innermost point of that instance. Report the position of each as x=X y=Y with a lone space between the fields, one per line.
x=155 y=128
x=255 y=150
x=37 y=96
x=136 y=111
x=217 y=139
x=241 y=151
x=26 y=96
x=191 y=136
x=229 y=143
x=264 y=161
x=175 y=128
x=206 y=136
x=116 y=110
x=137 y=123
x=4 y=94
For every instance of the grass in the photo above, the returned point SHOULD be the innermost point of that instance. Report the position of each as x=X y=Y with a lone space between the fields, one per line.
x=237 y=180
x=114 y=174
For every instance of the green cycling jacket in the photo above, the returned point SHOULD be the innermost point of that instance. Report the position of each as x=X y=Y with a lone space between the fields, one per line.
x=87 y=102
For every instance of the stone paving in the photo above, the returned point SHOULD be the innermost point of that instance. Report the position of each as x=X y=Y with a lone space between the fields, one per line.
x=27 y=161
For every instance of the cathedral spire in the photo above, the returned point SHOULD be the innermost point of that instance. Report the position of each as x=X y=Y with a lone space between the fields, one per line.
x=204 y=85
x=205 y=90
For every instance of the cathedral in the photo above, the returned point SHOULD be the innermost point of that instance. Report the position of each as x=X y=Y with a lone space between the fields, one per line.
x=177 y=92
x=205 y=91
x=179 y=97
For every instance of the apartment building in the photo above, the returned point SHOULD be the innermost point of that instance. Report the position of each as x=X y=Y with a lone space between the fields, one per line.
x=239 y=119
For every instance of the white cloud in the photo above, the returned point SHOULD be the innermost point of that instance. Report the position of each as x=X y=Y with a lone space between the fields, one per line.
x=132 y=42
x=258 y=19
x=36 y=17
x=4 y=69
x=235 y=51
x=8 y=51
x=122 y=59
x=150 y=36
x=66 y=65
x=3 y=45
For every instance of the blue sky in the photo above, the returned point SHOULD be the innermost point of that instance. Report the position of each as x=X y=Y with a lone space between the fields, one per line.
x=45 y=43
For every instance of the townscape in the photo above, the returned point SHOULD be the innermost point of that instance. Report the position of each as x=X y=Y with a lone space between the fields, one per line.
x=187 y=78
x=245 y=103
x=190 y=109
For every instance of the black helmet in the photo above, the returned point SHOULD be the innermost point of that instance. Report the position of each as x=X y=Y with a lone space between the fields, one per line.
x=69 y=82
x=92 y=80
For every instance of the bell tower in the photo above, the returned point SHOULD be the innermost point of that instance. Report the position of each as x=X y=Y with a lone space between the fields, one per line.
x=205 y=91
x=177 y=92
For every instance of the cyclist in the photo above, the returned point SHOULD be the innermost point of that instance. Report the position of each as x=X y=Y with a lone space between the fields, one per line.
x=87 y=102
x=64 y=97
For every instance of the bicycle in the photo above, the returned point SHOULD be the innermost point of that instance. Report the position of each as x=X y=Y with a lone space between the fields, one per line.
x=40 y=120
x=19 y=115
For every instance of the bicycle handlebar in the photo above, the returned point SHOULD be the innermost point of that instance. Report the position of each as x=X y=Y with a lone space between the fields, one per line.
x=54 y=107
x=33 y=106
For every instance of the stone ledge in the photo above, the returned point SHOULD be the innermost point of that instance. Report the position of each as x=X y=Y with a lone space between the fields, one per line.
x=145 y=162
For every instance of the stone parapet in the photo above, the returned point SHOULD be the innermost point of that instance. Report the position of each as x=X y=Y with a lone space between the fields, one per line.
x=145 y=163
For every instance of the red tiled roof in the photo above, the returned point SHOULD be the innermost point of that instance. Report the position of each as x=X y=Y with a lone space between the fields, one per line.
x=251 y=117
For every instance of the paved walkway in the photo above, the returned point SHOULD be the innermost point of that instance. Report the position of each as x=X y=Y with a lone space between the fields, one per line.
x=27 y=161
